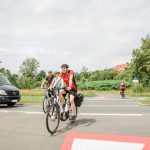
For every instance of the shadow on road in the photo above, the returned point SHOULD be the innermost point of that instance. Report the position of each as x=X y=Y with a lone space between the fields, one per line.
x=79 y=122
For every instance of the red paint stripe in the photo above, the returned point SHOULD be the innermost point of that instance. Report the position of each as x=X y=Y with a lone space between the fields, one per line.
x=131 y=139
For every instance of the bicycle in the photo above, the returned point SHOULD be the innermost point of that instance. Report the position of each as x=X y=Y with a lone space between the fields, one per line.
x=56 y=112
x=122 y=94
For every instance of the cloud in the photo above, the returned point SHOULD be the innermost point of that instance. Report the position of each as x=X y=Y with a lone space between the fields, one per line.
x=97 y=34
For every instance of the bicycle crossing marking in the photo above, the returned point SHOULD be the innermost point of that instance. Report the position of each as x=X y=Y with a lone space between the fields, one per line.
x=84 y=141
x=86 y=144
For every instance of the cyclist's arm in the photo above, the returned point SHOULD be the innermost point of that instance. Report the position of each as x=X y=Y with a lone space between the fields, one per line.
x=56 y=82
x=43 y=83
x=53 y=81
x=70 y=80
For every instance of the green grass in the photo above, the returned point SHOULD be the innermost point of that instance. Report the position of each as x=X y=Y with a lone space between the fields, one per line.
x=145 y=102
x=31 y=99
x=144 y=94
x=36 y=96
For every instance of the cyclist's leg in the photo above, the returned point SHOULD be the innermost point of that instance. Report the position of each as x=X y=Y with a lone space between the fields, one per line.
x=73 y=107
x=61 y=96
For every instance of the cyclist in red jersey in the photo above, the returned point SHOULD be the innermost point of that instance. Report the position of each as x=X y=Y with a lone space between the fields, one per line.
x=71 y=88
x=122 y=87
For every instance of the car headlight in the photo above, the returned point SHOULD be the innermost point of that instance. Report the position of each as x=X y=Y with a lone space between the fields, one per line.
x=2 y=92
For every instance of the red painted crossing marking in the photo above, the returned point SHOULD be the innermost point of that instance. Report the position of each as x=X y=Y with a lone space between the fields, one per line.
x=68 y=142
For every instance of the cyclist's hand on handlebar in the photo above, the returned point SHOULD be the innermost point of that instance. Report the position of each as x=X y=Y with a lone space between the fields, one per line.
x=51 y=87
x=68 y=88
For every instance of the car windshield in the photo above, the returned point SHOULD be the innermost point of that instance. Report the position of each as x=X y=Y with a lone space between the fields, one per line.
x=4 y=80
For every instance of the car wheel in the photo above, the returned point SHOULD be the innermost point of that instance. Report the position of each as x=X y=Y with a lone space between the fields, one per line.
x=11 y=104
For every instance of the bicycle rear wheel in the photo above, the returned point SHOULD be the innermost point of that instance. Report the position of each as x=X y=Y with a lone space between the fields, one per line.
x=53 y=118
x=122 y=94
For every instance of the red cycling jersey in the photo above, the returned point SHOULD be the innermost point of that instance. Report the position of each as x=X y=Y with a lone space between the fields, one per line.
x=66 y=78
x=122 y=86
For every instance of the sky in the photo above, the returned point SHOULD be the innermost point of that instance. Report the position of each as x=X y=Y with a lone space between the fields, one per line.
x=97 y=34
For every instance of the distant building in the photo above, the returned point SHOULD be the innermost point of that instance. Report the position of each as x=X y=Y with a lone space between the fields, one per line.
x=120 y=67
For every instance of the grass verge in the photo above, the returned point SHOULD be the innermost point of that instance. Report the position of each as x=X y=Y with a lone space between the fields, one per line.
x=144 y=102
x=36 y=96
x=31 y=99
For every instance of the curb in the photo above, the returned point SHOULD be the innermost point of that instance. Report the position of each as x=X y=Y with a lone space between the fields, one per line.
x=141 y=104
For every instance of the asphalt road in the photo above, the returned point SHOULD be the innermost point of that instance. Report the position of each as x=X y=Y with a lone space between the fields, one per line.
x=23 y=127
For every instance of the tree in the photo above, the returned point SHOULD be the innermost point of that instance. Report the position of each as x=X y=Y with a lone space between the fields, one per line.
x=94 y=76
x=77 y=76
x=14 y=79
x=126 y=75
x=141 y=61
x=84 y=73
x=28 y=71
x=29 y=67
x=84 y=69
x=40 y=75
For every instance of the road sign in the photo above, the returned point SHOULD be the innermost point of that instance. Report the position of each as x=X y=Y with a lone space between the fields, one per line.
x=135 y=79
x=78 y=141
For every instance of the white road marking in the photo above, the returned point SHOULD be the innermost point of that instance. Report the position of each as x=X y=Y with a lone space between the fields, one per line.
x=107 y=114
x=110 y=105
x=25 y=112
x=87 y=144
x=96 y=99
x=34 y=113
x=80 y=114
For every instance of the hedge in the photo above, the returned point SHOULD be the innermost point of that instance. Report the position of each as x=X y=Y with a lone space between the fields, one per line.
x=100 y=85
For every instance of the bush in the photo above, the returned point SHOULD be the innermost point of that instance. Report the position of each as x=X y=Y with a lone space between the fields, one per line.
x=100 y=85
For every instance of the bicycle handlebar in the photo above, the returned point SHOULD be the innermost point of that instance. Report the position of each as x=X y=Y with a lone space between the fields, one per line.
x=64 y=88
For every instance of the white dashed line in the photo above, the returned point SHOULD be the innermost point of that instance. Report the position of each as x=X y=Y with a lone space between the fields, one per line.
x=80 y=114
x=110 y=105
x=107 y=114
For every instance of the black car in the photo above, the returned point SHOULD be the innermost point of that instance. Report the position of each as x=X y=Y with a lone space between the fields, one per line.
x=9 y=94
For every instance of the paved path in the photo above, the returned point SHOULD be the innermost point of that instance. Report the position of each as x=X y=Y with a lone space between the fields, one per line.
x=23 y=127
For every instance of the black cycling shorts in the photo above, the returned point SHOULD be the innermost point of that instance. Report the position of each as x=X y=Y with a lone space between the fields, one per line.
x=71 y=92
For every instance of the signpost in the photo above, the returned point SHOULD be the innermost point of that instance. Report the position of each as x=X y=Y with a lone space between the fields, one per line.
x=135 y=79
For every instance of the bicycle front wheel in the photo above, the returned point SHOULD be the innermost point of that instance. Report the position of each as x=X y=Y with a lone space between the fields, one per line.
x=45 y=104
x=52 y=118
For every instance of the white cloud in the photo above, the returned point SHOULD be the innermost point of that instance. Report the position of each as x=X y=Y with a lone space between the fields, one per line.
x=97 y=34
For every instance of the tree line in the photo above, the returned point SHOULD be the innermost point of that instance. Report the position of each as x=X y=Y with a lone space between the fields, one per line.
x=30 y=77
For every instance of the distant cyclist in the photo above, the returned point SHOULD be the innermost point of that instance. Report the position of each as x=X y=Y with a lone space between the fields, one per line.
x=122 y=88
x=48 y=80
x=71 y=88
